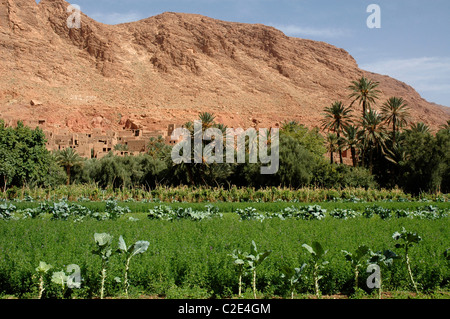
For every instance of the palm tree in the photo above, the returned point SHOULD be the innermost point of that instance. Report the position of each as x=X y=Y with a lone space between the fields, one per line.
x=68 y=158
x=420 y=128
x=207 y=173
x=352 y=141
x=332 y=145
x=373 y=135
x=396 y=112
x=207 y=120
x=365 y=91
x=337 y=118
x=445 y=126
x=289 y=126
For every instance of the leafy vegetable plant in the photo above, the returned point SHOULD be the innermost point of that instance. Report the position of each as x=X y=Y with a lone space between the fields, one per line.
x=42 y=269
x=137 y=248
x=104 y=251
x=382 y=260
x=239 y=262
x=357 y=260
x=254 y=259
x=249 y=261
x=317 y=253
x=293 y=275
x=408 y=239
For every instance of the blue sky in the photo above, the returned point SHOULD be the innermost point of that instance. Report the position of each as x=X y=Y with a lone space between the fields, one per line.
x=412 y=45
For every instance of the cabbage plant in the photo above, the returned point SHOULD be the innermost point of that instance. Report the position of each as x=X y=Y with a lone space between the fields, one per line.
x=42 y=270
x=382 y=260
x=293 y=276
x=239 y=261
x=357 y=260
x=317 y=253
x=254 y=259
x=408 y=239
x=249 y=262
x=103 y=249
x=137 y=248
x=70 y=281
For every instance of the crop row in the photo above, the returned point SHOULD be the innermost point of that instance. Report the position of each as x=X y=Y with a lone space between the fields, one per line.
x=112 y=210
x=218 y=194
x=64 y=211
x=316 y=212
x=211 y=259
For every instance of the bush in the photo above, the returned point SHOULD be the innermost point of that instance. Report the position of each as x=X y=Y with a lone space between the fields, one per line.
x=328 y=175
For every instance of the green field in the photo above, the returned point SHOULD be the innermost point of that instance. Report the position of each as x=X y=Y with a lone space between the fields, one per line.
x=190 y=259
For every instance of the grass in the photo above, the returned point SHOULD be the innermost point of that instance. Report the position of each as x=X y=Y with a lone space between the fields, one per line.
x=190 y=259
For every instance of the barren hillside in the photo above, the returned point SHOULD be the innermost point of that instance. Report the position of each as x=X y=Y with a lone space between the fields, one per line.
x=167 y=68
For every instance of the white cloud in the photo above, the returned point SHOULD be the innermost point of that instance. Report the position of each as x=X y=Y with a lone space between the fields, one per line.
x=116 y=18
x=295 y=30
x=424 y=74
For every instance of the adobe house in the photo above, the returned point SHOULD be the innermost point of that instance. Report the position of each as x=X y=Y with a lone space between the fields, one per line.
x=97 y=144
x=137 y=146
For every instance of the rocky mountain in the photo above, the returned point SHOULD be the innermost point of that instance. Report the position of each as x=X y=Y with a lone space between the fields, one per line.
x=168 y=68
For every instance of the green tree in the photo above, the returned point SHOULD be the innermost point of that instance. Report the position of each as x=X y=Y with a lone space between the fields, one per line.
x=7 y=167
x=373 y=135
x=443 y=156
x=68 y=158
x=157 y=148
x=337 y=118
x=445 y=126
x=420 y=128
x=396 y=113
x=423 y=164
x=332 y=142
x=311 y=139
x=296 y=164
x=351 y=141
x=25 y=159
x=205 y=173
x=365 y=91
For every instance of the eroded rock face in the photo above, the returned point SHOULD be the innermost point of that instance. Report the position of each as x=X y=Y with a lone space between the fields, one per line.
x=168 y=68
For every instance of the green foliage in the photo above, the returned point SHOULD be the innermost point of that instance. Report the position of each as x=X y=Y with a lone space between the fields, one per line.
x=137 y=248
x=249 y=213
x=310 y=139
x=447 y=254
x=239 y=262
x=384 y=260
x=296 y=164
x=104 y=250
x=357 y=260
x=188 y=254
x=408 y=239
x=317 y=253
x=340 y=176
x=340 y=213
x=24 y=159
x=114 y=211
x=68 y=158
x=293 y=275
x=164 y=212
x=254 y=259
x=42 y=270
x=7 y=211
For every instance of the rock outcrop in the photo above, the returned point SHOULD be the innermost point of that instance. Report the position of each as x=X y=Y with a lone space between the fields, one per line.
x=168 y=68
